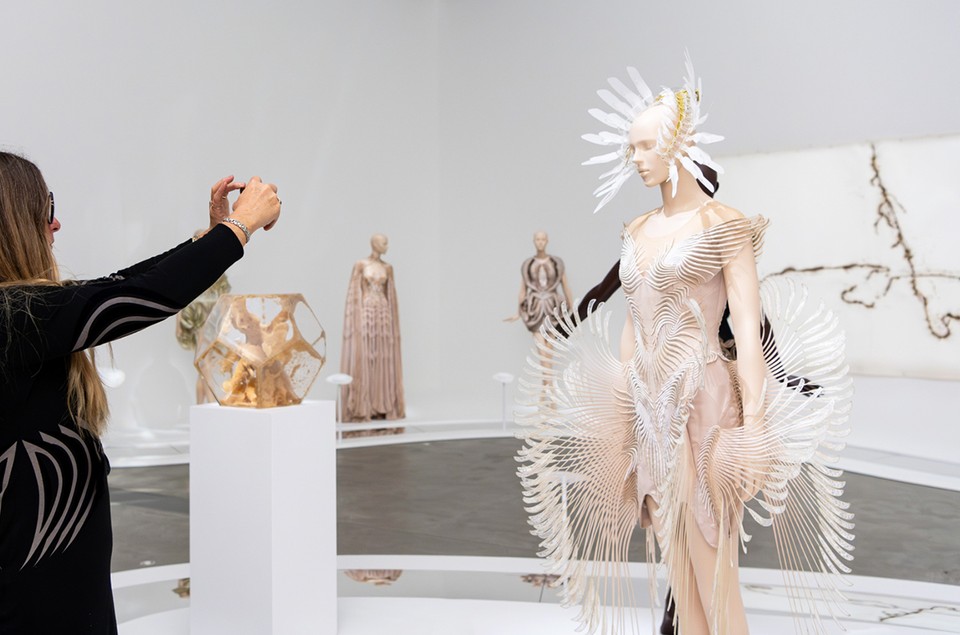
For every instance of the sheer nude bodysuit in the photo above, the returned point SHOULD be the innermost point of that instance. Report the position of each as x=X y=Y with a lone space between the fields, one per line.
x=675 y=291
x=648 y=293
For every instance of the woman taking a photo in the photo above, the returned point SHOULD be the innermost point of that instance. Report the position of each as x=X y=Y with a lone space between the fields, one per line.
x=55 y=532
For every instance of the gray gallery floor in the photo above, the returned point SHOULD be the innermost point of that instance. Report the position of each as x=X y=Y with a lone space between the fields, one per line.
x=463 y=498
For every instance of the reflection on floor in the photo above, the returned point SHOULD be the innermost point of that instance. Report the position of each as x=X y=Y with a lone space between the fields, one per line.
x=461 y=498
x=137 y=447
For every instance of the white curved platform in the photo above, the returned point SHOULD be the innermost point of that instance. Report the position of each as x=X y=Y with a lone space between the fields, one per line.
x=369 y=616
x=476 y=596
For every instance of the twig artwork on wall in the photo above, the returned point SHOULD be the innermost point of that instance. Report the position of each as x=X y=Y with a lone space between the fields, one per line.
x=873 y=281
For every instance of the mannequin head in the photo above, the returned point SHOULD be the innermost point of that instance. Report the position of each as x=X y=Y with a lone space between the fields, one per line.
x=643 y=144
x=657 y=136
x=378 y=243
x=643 y=151
x=540 y=240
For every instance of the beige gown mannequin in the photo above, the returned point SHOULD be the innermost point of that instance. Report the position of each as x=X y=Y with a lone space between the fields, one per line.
x=371 y=341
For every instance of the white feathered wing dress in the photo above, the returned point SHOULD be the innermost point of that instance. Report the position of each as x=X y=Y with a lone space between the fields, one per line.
x=667 y=423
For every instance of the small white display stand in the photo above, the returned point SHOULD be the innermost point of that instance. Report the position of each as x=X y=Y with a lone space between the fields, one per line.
x=263 y=520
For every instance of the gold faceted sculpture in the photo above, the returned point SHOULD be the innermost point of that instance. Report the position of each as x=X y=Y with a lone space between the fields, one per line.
x=260 y=351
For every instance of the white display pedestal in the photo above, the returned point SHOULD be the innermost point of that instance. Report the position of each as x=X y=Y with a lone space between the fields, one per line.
x=263 y=520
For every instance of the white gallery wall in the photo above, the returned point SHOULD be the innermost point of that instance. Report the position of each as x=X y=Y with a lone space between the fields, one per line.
x=452 y=127
x=879 y=236
x=132 y=110
x=776 y=76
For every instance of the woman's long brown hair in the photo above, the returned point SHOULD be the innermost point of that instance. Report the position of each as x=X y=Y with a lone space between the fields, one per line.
x=26 y=260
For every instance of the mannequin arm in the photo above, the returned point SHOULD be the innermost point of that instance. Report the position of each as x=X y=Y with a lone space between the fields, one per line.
x=523 y=295
x=743 y=296
x=351 y=314
x=394 y=306
x=566 y=292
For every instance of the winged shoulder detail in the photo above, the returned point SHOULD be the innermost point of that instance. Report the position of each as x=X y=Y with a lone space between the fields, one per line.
x=784 y=463
x=577 y=463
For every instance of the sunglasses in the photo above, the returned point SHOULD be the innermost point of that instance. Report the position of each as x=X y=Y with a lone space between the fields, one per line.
x=50 y=221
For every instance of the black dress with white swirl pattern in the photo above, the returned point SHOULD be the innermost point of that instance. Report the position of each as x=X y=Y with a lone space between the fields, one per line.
x=55 y=532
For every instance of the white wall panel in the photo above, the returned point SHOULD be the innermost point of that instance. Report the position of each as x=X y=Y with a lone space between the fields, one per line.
x=453 y=127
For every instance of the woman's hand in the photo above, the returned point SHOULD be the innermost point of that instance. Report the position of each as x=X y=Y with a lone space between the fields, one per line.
x=258 y=205
x=219 y=204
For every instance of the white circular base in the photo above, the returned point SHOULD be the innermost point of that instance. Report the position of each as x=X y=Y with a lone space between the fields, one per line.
x=430 y=616
x=479 y=596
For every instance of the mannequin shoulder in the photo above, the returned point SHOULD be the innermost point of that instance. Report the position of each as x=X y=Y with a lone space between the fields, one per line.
x=716 y=213
x=639 y=220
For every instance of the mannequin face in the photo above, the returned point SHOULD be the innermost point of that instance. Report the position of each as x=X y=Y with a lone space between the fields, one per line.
x=379 y=244
x=540 y=241
x=643 y=145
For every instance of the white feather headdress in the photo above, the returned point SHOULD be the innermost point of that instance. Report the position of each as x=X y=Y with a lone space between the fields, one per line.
x=678 y=139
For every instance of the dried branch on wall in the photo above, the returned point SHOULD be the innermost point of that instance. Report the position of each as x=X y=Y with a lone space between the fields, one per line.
x=875 y=280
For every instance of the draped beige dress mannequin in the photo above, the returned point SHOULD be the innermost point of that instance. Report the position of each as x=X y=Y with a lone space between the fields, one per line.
x=371 y=342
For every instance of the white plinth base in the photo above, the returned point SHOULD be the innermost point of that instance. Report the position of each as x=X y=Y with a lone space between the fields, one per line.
x=263 y=510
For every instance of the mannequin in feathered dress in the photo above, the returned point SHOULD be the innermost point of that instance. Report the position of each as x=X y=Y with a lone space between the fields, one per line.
x=671 y=433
